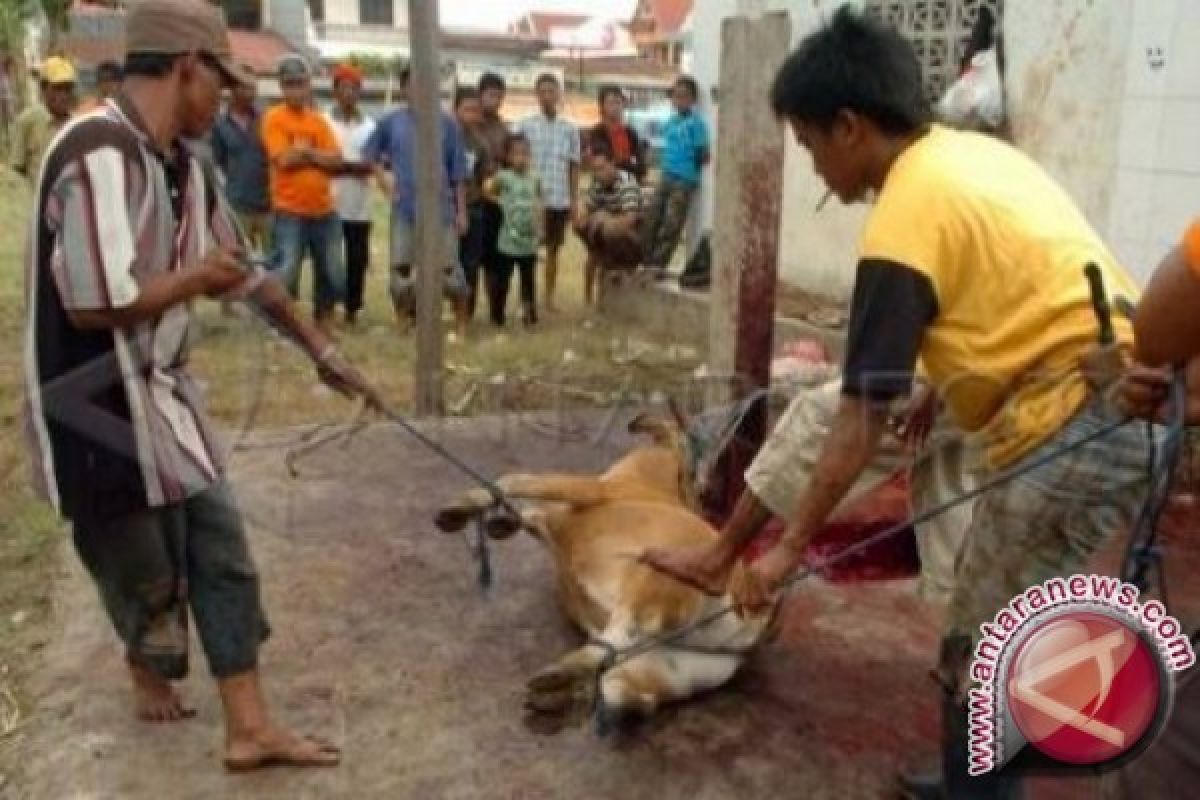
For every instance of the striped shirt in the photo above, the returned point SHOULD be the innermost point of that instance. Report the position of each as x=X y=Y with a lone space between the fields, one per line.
x=115 y=424
x=623 y=196
x=554 y=146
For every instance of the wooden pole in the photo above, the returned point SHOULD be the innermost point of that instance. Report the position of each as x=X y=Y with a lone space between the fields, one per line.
x=749 y=203
x=429 y=237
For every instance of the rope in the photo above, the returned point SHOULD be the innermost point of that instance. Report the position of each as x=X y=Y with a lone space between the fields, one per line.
x=1004 y=477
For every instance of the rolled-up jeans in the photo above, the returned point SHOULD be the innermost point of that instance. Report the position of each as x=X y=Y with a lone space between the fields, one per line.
x=321 y=239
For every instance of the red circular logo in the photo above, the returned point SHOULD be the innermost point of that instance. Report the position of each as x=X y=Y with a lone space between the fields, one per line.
x=1084 y=688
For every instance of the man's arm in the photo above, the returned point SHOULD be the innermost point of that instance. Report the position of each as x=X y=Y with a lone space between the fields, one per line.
x=216 y=274
x=19 y=159
x=573 y=171
x=1166 y=324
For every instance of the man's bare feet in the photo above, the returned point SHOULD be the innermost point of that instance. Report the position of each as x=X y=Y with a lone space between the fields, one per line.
x=703 y=568
x=276 y=747
x=155 y=699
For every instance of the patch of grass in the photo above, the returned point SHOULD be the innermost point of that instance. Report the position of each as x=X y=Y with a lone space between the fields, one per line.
x=29 y=531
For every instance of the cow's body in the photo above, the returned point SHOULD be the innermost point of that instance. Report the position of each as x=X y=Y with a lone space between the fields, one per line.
x=596 y=527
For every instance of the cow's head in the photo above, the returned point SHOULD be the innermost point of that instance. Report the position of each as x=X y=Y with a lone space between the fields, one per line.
x=670 y=432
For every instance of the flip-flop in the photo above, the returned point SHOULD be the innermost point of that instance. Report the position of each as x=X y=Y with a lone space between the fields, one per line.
x=325 y=749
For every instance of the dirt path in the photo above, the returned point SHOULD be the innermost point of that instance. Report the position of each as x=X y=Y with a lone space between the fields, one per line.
x=384 y=642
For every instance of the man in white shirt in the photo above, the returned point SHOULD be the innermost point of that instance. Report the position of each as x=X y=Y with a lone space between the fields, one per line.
x=350 y=191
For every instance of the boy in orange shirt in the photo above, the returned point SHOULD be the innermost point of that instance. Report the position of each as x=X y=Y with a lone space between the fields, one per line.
x=303 y=154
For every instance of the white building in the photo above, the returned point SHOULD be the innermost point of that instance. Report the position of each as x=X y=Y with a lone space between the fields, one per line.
x=1105 y=94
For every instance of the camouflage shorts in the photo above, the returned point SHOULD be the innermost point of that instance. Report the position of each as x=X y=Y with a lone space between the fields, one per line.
x=1051 y=521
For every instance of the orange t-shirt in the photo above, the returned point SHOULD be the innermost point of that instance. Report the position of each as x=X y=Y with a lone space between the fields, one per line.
x=307 y=191
x=1191 y=247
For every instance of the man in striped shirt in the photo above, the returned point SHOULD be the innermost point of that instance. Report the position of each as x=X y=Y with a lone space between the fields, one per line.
x=610 y=221
x=129 y=229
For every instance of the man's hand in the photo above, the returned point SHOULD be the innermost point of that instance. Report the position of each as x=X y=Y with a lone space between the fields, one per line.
x=295 y=158
x=220 y=272
x=753 y=588
x=580 y=217
x=340 y=375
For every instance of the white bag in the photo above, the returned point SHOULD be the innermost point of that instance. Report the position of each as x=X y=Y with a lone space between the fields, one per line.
x=977 y=97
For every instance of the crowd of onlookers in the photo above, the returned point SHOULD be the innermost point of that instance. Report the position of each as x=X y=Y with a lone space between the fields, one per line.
x=299 y=181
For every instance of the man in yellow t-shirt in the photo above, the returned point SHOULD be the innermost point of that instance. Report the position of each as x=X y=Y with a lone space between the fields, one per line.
x=971 y=260
x=303 y=155
x=36 y=126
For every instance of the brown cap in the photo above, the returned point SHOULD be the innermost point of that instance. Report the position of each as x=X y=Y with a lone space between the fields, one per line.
x=182 y=26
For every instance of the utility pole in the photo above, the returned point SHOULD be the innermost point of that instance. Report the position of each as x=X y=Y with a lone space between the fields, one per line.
x=429 y=238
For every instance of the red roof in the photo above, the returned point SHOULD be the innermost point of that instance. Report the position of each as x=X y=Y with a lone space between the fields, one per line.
x=540 y=23
x=259 y=50
x=668 y=15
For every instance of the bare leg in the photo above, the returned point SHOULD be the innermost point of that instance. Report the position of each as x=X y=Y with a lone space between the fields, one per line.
x=253 y=741
x=155 y=699
x=708 y=568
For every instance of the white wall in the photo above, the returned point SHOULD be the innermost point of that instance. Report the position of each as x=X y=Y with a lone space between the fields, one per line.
x=1158 y=175
x=1115 y=125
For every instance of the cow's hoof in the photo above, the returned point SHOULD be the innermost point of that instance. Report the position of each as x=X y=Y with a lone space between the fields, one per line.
x=545 y=724
x=562 y=691
x=453 y=520
x=501 y=525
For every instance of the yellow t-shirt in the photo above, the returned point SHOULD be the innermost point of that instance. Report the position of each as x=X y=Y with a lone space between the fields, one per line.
x=975 y=255
x=307 y=191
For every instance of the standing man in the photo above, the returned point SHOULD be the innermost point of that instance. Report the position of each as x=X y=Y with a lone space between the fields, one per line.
x=303 y=155
x=352 y=128
x=971 y=261
x=391 y=149
x=36 y=126
x=627 y=148
x=555 y=145
x=608 y=222
x=238 y=152
x=108 y=81
x=494 y=130
x=468 y=113
x=121 y=444
x=685 y=155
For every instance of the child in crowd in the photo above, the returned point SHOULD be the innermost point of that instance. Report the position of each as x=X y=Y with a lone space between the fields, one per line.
x=519 y=193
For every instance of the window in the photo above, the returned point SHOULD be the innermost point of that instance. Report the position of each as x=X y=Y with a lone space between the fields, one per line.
x=243 y=14
x=316 y=10
x=375 y=12
x=938 y=30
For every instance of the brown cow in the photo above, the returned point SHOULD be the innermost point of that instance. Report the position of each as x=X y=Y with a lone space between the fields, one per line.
x=596 y=528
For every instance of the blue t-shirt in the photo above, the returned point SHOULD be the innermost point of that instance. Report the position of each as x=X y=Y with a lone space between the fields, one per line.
x=394 y=143
x=684 y=137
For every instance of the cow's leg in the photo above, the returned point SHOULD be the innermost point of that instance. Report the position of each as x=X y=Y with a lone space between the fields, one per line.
x=576 y=491
x=644 y=684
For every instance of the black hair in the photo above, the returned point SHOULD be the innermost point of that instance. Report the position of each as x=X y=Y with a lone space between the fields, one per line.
x=544 y=78
x=511 y=141
x=464 y=93
x=689 y=83
x=853 y=64
x=108 y=71
x=150 y=65
x=490 y=80
x=601 y=147
x=608 y=90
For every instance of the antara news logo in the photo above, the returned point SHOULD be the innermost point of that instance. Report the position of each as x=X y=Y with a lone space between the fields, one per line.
x=1073 y=672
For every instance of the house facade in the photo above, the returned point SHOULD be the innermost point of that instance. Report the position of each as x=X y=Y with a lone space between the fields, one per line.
x=658 y=28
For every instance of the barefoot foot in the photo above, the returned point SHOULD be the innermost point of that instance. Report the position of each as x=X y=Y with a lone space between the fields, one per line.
x=155 y=699
x=275 y=747
x=706 y=569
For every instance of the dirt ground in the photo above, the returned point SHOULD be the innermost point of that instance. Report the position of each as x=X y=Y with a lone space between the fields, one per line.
x=384 y=641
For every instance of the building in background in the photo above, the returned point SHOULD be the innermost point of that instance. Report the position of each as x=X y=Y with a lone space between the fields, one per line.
x=659 y=28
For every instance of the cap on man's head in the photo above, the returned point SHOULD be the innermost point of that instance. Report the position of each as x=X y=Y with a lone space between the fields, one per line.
x=348 y=73
x=172 y=27
x=293 y=67
x=57 y=71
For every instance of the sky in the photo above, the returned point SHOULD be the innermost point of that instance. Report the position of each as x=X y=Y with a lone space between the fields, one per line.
x=496 y=14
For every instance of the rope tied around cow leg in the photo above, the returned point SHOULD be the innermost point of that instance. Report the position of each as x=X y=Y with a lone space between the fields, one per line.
x=602 y=717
